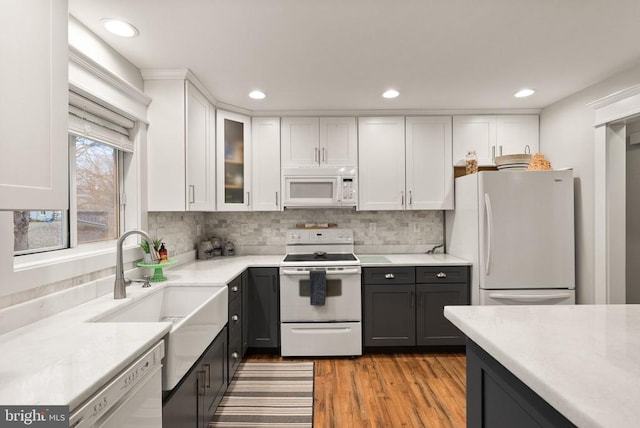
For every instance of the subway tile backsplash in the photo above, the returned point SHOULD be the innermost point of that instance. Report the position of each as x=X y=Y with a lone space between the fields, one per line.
x=264 y=232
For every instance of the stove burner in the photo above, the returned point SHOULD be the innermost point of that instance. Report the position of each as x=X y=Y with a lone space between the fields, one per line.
x=320 y=256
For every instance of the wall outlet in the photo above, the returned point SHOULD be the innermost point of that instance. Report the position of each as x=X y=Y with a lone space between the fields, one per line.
x=416 y=227
x=244 y=228
x=373 y=227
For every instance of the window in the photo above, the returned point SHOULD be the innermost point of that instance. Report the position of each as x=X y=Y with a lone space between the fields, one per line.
x=96 y=190
x=98 y=141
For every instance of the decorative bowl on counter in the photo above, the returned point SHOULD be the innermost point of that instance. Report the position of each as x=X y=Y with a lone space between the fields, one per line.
x=515 y=161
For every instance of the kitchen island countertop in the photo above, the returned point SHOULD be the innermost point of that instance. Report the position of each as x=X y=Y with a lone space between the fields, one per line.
x=584 y=360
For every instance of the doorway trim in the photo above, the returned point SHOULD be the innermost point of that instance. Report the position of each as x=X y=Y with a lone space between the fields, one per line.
x=611 y=115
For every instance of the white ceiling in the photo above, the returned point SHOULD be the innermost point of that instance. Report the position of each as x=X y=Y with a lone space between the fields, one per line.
x=342 y=54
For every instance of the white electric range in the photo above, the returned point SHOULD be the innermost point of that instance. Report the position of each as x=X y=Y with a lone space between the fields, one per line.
x=331 y=329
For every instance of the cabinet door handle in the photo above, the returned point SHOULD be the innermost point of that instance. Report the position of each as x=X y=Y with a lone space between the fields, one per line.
x=410 y=197
x=207 y=375
x=324 y=159
x=315 y=154
x=202 y=383
x=192 y=194
x=412 y=296
x=389 y=276
x=248 y=198
x=500 y=150
x=493 y=153
x=234 y=288
x=235 y=355
x=402 y=198
x=441 y=275
x=276 y=199
x=235 y=317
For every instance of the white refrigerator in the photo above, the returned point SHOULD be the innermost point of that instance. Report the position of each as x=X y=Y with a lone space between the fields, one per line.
x=517 y=227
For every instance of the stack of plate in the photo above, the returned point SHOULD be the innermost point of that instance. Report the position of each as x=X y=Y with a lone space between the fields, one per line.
x=513 y=162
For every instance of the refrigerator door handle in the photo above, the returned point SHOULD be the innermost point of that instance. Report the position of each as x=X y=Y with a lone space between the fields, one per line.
x=529 y=297
x=487 y=205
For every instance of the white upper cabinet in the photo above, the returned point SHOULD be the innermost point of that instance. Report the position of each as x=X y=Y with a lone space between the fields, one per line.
x=325 y=141
x=429 y=170
x=180 y=147
x=338 y=141
x=473 y=133
x=200 y=152
x=300 y=141
x=34 y=105
x=492 y=136
x=514 y=133
x=266 y=164
x=381 y=157
x=234 y=161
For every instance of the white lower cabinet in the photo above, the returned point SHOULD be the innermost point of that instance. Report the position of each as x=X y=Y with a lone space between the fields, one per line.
x=405 y=169
x=180 y=147
x=266 y=164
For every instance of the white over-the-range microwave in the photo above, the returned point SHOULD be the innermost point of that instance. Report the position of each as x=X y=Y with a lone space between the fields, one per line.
x=312 y=187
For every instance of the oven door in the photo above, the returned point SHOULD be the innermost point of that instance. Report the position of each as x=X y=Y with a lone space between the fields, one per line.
x=342 y=303
x=311 y=191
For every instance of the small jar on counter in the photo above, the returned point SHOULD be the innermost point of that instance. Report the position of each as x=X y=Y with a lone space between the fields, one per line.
x=229 y=249
x=471 y=162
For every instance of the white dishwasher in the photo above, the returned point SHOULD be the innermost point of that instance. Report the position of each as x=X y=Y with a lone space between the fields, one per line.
x=132 y=400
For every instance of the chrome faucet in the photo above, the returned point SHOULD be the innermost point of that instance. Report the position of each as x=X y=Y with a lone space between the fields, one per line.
x=119 y=286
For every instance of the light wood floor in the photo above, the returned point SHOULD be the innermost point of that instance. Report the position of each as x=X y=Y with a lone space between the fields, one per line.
x=388 y=390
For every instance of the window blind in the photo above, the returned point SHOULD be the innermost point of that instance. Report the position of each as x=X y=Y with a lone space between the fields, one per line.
x=92 y=120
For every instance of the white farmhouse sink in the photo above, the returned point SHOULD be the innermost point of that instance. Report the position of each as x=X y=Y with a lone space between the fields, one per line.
x=198 y=314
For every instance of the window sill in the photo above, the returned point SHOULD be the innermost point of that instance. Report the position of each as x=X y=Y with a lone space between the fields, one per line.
x=100 y=251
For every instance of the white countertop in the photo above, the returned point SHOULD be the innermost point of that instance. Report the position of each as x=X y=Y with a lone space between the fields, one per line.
x=584 y=360
x=412 y=260
x=64 y=359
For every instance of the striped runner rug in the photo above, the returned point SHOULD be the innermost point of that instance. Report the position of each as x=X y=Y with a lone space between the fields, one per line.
x=276 y=394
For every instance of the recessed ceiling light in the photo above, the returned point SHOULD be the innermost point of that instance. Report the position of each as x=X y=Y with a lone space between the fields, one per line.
x=391 y=93
x=257 y=95
x=524 y=93
x=120 y=28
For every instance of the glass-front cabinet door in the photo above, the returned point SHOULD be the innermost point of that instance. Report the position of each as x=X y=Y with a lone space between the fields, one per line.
x=234 y=161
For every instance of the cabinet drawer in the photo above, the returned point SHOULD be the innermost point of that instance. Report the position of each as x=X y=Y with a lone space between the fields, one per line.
x=235 y=288
x=442 y=274
x=390 y=275
x=235 y=319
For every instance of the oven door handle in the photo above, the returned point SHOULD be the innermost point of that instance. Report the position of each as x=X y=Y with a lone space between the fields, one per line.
x=329 y=272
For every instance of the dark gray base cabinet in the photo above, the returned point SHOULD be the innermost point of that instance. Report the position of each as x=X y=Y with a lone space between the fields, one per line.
x=194 y=400
x=432 y=328
x=403 y=306
x=237 y=290
x=498 y=399
x=389 y=315
x=263 y=308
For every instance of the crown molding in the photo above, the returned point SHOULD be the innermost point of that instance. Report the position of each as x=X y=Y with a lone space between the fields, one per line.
x=91 y=66
x=178 y=74
x=398 y=112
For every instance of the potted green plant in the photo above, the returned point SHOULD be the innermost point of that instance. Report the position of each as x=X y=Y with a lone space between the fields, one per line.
x=147 y=252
